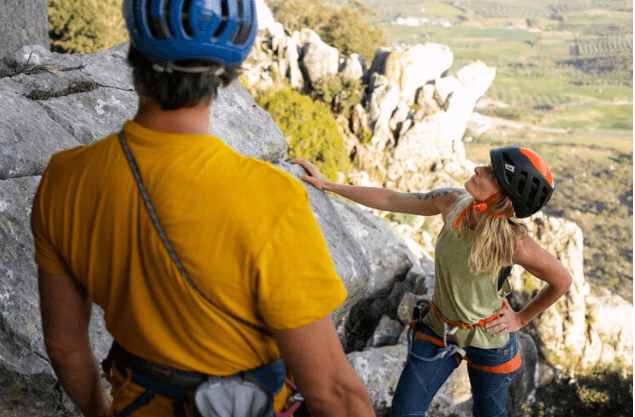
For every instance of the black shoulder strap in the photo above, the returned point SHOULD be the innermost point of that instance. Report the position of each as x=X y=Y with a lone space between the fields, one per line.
x=169 y=248
x=502 y=276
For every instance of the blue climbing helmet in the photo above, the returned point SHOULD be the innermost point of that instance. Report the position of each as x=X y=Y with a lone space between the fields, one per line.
x=221 y=31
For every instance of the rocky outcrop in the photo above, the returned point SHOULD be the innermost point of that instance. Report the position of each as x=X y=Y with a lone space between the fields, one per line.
x=412 y=67
x=23 y=25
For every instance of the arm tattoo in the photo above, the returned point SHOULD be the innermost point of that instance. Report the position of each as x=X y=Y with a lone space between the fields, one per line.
x=437 y=193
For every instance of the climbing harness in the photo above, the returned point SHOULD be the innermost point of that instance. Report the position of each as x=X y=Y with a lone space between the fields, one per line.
x=460 y=324
x=422 y=308
x=211 y=396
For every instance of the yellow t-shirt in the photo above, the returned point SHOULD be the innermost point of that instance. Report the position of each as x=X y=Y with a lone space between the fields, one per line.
x=242 y=229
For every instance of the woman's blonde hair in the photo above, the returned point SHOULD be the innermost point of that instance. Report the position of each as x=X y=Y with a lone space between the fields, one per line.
x=494 y=237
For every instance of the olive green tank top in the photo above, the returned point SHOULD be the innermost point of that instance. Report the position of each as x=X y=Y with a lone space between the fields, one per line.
x=461 y=295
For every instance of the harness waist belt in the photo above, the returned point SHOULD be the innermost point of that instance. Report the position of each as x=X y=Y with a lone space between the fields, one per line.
x=504 y=368
x=158 y=373
x=175 y=381
x=460 y=324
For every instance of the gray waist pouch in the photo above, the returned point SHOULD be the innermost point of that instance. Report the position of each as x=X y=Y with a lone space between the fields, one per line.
x=247 y=394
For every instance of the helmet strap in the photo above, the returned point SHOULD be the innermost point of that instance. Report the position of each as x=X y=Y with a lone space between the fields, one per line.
x=170 y=67
x=481 y=208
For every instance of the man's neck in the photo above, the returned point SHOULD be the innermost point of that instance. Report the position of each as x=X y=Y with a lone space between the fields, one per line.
x=186 y=120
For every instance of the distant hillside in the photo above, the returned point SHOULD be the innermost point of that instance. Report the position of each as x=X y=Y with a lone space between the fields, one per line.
x=560 y=64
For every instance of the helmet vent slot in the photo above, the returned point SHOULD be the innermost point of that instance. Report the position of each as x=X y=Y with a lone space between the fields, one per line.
x=522 y=182
x=241 y=33
x=543 y=197
x=224 y=18
x=185 y=22
x=535 y=186
x=166 y=13
x=157 y=26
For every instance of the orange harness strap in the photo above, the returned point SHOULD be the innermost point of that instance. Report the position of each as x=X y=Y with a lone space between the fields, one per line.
x=438 y=342
x=503 y=368
x=460 y=324
x=433 y=340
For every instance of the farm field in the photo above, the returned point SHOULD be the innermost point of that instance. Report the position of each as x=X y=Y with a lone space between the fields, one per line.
x=563 y=86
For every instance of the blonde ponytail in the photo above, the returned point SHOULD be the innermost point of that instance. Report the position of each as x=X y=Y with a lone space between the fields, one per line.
x=494 y=237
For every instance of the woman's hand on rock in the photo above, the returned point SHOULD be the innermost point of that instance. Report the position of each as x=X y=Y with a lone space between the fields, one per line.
x=313 y=175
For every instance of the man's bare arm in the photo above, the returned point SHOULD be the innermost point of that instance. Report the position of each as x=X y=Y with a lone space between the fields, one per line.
x=314 y=356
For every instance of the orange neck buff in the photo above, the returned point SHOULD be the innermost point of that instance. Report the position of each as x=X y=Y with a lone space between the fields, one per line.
x=481 y=208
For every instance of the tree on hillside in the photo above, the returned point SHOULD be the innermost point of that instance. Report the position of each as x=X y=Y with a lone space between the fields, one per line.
x=85 y=26
x=349 y=33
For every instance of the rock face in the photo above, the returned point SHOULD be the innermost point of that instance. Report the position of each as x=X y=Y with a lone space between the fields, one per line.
x=318 y=60
x=26 y=24
x=31 y=130
x=55 y=102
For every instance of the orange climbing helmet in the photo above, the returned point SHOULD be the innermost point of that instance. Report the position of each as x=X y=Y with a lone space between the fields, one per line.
x=524 y=177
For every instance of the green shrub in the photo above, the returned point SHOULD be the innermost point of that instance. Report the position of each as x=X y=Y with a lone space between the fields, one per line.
x=341 y=94
x=310 y=129
x=85 y=26
x=343 y=28
x=600 y=391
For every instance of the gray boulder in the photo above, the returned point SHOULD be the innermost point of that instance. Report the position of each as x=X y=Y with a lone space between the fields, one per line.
x=413 y=66
x=386 y=334
x=28 y=136
x=24 y=23
x=523 y=389
x=387 y=255
x=379 y=369
x=30 y=388
x=318 y=60
x=353 y=67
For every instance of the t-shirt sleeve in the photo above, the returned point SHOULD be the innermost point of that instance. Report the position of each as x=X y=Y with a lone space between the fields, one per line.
x=46 y=257
x=297 y=282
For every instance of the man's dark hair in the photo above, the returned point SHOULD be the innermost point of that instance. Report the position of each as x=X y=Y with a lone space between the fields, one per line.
x=179 y=89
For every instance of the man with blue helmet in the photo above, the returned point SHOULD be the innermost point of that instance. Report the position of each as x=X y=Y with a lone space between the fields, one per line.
x=209 y=265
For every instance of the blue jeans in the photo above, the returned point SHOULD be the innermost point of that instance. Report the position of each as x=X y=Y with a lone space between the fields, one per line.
x=420 y=381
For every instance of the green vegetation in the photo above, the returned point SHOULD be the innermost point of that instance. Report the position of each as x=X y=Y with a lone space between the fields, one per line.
x=85 y=26
x=343 y=28
x=341 y=94
x=599 y=392
x=603 y=117
x=310 y=129
x=403 y=218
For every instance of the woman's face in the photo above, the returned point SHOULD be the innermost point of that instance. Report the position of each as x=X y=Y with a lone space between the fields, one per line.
x=482 y=184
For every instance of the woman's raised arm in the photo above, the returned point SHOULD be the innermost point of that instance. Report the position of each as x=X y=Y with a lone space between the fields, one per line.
x=424 y=204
